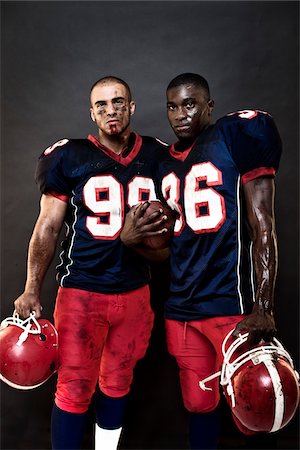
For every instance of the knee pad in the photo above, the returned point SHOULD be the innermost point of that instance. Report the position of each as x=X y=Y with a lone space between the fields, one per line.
x=195 y=399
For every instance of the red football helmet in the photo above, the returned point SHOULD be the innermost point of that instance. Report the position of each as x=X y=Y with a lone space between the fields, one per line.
x=28 y=351
x=259 y=383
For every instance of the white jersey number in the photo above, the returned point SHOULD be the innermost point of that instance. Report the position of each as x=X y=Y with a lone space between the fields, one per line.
x=104 y=197
x=204 y=207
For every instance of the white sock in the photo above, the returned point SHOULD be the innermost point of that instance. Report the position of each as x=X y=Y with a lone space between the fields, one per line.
x=106 y=439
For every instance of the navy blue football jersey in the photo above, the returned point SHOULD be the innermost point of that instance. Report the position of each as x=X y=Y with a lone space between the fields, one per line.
x=100 y=187
x=211 y=251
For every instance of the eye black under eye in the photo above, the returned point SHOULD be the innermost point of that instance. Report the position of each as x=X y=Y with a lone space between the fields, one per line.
x=119 y=101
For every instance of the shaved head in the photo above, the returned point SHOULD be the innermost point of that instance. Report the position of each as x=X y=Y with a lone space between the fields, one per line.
x=110 y=79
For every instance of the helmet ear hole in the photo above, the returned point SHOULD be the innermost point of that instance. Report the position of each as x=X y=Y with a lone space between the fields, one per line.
x=30 y=360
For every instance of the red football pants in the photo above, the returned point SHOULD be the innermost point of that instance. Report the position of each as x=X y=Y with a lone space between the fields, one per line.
x=197 y=347
x=101 y=337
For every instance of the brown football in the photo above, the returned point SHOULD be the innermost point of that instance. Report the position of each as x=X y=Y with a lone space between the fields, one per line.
x=162 y=240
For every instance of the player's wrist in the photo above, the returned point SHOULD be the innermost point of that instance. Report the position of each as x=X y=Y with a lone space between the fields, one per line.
x=32 y=290
x=264 y=305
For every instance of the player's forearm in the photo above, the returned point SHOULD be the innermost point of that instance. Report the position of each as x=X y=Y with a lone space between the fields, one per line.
x=259 y=196
x=40 y=254
x=265 y=261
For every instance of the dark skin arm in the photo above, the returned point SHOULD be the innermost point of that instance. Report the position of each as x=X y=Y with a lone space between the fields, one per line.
x=137 y=227
x=40 y=254
x=259 y=198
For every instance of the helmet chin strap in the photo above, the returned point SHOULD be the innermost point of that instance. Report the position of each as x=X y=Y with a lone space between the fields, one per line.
x=29 y=325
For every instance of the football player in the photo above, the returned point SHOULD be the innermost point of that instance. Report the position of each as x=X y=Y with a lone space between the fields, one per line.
x=220 y=179
x=102 y=312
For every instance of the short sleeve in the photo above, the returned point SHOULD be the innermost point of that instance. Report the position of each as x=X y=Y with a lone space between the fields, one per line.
x=50 y=175
x=254 y=142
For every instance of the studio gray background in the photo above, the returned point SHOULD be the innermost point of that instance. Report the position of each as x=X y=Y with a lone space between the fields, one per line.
x=52 y=52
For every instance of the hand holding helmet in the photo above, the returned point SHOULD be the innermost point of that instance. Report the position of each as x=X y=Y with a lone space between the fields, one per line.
x=26 y=304
x=28 y=351
x=260 y=324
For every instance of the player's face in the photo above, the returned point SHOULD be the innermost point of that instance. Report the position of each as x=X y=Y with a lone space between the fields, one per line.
x=111 y=108
x=189 y=110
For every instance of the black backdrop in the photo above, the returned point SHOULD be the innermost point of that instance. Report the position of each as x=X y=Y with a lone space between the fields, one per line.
x=51 y=54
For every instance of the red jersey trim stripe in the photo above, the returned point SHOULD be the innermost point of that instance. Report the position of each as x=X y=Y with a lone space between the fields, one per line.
x=259 y=172
x=63 y=198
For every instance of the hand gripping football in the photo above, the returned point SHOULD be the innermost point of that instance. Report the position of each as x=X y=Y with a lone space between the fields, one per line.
x=160 y=241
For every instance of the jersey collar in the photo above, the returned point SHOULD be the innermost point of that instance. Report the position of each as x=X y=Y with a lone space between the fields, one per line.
x=180 y=155
x=127 y=154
